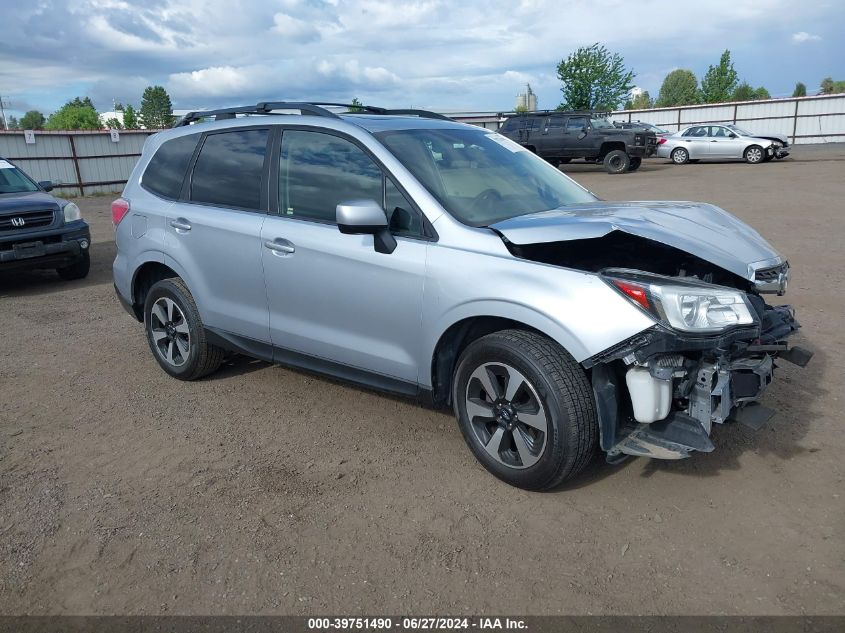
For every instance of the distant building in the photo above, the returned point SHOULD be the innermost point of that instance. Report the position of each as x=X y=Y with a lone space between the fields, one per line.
x=105 y=116
x=526 y=100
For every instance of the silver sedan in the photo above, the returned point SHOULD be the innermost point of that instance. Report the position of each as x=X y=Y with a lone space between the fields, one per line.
x=714 y=142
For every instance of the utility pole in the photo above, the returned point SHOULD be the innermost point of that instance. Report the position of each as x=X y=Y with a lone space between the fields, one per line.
x=3 y=113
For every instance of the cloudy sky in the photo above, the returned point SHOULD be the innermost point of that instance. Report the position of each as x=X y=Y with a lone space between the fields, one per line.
x=441 y=54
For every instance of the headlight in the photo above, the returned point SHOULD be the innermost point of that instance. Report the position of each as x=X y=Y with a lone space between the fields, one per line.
x=690 y=306
x=72 y=212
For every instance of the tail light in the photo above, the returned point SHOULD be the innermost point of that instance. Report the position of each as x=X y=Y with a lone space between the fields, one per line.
x=119 y=209
x=661 y=141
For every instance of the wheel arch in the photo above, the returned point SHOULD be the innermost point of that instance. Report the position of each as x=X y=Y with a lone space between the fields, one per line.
x=147 y=274
x=609 y=146
x=468 y=328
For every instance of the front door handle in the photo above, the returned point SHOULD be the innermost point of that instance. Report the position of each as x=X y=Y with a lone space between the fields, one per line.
x=180 y=224
x=280 y=246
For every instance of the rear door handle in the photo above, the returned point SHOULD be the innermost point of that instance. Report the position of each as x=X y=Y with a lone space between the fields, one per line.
x=180 y=224
x=280 y=246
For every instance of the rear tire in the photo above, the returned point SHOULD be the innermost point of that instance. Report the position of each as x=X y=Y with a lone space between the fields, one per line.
x=175 y=332
x=78 y=269
x=679 y=156
x=541 y=427
x=754 y=154
x=617 y=162
x=636 y=162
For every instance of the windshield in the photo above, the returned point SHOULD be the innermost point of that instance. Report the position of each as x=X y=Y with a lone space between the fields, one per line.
x=13 y=180
x=481 y=177
x=601 y=123
x=739 y=130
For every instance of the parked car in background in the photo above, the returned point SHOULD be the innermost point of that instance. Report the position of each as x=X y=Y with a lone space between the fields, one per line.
x=414 y=254
x=38 y=230
x=714 y=142
x=561 y=136
x=781 y=141
x=639 y=125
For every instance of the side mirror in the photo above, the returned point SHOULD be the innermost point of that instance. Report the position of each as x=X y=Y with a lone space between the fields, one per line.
x=357 y=217
x=46 y=185
x=732 y=135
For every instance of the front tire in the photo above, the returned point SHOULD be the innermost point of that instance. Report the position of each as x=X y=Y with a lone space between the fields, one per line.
x=679 y=156
x=753 y=154
x=617 y=162
x=636 y=162
x=525 y=408
x=77 y=270
x=175 y=332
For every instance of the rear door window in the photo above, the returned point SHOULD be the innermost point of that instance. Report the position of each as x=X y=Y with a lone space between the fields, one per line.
x=229 y=169
x=576 y=123
x=166 y=171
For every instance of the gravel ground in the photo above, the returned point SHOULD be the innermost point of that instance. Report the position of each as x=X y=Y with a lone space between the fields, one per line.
x=264 y=490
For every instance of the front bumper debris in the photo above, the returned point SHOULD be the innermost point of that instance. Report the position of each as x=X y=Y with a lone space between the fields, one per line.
x=712 y=381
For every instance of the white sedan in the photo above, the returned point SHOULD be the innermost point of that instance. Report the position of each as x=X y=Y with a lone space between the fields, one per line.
x=715 y=142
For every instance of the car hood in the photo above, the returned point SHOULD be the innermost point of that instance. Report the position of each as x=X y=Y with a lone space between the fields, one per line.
x=771 y=137
x=10 y=202
x=703 y=230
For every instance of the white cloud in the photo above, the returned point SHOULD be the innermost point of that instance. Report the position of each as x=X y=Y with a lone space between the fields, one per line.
x=434 y=53
x=294 y=29
x=802 y=36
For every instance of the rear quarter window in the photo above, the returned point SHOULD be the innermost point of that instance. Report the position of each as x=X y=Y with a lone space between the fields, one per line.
x=166 y=171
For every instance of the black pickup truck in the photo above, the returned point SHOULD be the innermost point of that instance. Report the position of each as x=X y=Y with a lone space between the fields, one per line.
x=38 y=230
x=561 y=136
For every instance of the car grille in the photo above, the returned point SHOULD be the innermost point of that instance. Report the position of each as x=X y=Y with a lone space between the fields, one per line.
x=23 y=220
x=770 y=274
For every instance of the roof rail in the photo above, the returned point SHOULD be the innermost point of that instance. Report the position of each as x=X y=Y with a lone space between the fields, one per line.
x=358 y=108
x=313 y=108
x=265 y=107
x=551 y=112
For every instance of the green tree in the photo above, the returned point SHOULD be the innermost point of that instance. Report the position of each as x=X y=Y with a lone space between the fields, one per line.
x=800 y=90
x=680 y=87
x=356 y=105
x=32 y=120
x=521 y=109
x=113 y=123
x=118 y=107
x=594 y=79
x=76 y=114
x=720 y=81
x=743 y=92
x=156 y=108
x=830 y=87
x=642 y=101
x=761 y=93
x=13 y=123
x=130 y=119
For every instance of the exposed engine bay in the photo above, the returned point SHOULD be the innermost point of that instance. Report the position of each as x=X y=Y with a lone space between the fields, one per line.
x=660 y=393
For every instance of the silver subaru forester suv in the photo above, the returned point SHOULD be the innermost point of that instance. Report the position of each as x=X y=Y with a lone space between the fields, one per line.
x=404 y=251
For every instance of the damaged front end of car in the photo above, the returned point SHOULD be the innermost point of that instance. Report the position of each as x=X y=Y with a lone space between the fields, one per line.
x=701 y=275
x=707 y=361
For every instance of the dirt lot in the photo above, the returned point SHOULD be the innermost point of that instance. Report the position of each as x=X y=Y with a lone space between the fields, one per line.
x=264 y=490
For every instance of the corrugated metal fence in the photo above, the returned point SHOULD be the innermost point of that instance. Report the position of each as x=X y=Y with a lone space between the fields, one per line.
x=818 y=119
x=78 y=162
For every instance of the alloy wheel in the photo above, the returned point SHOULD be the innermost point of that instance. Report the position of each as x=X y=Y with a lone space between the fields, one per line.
x=506 y=415
x=754 y=155
x=170 y=332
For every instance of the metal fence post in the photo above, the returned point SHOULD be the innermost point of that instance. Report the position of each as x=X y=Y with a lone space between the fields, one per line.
x=76 y=165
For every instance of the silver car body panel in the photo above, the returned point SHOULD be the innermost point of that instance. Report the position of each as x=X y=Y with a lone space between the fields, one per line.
x=333 y=297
